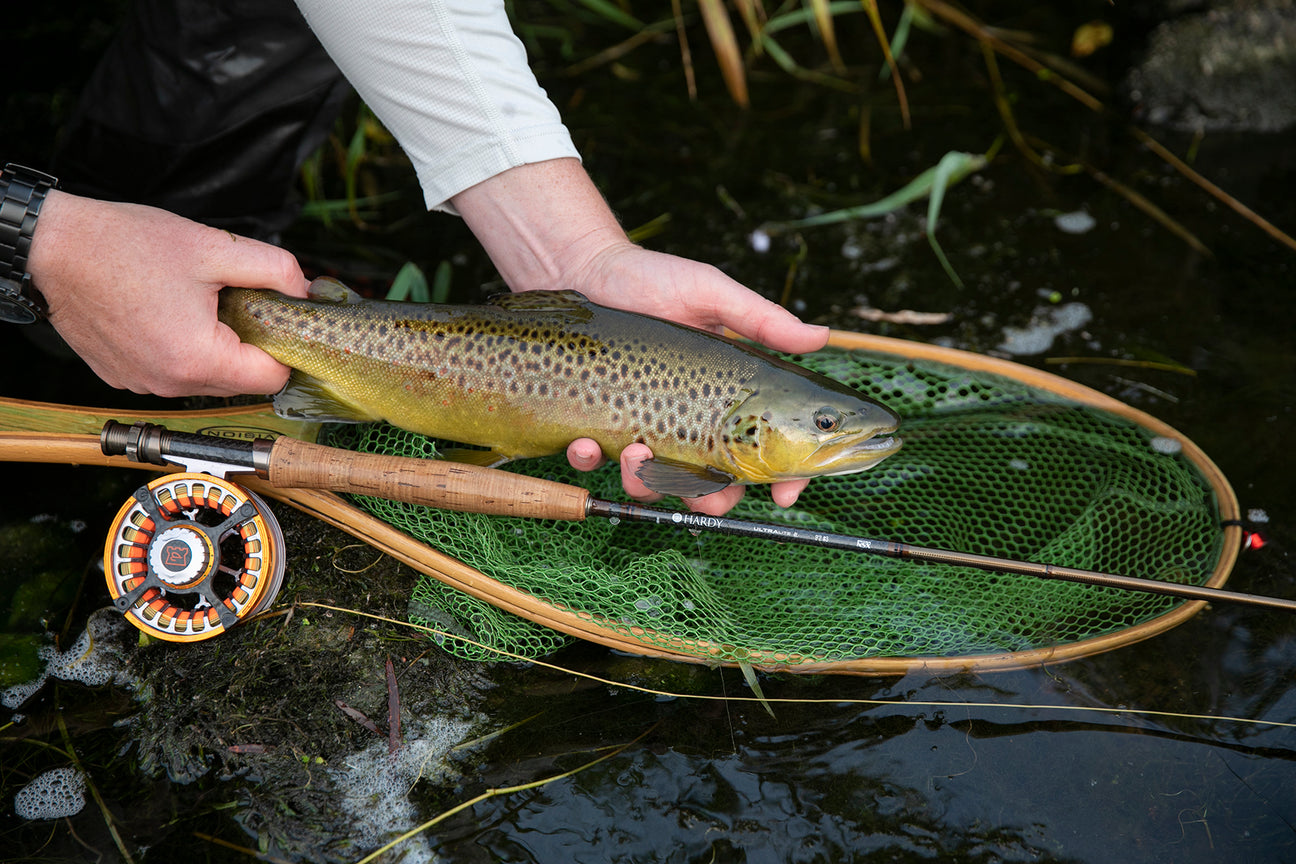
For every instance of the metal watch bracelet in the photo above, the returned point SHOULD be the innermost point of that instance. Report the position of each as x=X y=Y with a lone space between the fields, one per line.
x=22 y=192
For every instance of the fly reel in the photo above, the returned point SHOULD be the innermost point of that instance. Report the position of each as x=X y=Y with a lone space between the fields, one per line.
x=191 y=555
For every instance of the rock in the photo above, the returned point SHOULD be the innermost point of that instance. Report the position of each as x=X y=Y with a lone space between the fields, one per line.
x=1229 y=68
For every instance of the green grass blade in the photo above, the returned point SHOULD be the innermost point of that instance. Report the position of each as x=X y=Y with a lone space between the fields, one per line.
x=953 y=167
x=410 y=284
x=750 y=675
x=441 y=282
x=804 y=15
x=899 y=39
x=613 y=13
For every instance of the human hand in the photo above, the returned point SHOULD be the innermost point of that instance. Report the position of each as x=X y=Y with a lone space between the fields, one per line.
x=687 y=292
x=545 y=225
x=133 y=290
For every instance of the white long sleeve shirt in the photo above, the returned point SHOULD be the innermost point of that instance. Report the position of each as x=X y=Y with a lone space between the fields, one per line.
x=450 y=80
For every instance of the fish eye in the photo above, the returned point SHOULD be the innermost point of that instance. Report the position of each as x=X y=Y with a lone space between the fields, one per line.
x=827 y=419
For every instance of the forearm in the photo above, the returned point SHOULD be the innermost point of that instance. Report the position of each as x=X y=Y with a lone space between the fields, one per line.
x=544 y=225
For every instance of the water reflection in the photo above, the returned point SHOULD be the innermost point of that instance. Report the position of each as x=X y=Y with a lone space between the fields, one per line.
x=837 y=782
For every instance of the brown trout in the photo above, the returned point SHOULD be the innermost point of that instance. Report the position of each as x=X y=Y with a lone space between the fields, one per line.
x=526 y=374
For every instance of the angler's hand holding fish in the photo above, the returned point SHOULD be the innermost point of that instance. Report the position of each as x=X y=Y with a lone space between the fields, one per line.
x=701 y=296
x=132 y=289
x=547 y=227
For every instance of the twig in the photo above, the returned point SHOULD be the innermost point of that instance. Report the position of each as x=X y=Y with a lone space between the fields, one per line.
x=686 y=56
x=986 y=36
x=616 y=52
x=1152 y=210
x=1120 y=361
x=358 y=716
x=393 y=711
x=626 y=685
x=251 y=853
x=94 y=791
x=870 y=7
x=492 y=793
x=1228 y=200
x=981 y=33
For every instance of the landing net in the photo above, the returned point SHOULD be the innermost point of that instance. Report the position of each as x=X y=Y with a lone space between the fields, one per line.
x=990 y=465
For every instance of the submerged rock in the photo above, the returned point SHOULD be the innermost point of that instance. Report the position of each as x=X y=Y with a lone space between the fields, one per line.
x=1229 y=68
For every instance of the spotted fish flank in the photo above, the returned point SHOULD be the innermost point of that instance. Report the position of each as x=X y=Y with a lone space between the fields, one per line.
x=525 y=374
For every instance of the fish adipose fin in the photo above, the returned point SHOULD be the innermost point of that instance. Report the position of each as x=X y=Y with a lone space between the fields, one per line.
x=565 y=305
x=482 y=458
x=326 y=289
x=307 y=398
x=684 y=479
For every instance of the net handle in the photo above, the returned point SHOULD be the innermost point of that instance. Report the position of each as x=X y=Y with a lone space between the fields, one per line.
x=433 y=483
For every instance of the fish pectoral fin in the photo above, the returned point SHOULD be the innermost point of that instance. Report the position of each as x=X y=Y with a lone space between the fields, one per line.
x=308 y=398
x=684 y=479
x=326 y=289
x=567 y=305
x=482 y=458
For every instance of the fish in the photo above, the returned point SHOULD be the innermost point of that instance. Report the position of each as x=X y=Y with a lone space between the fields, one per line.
x=525 y=374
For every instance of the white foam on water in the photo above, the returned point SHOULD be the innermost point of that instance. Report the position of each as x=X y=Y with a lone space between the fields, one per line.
x=1076 y=222
x=55 y=794
x=94 y=659
x=376 y=784
x=1046 y=324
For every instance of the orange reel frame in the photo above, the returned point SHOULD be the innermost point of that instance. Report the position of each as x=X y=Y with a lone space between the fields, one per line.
x=191 y=555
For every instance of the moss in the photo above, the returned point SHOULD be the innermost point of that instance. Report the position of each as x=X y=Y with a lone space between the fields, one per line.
x=259 y=701
x=35 y=600
x=19 y=662
x=25 y=546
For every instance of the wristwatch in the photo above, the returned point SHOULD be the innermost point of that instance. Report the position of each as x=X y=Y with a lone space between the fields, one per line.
x=22 y=192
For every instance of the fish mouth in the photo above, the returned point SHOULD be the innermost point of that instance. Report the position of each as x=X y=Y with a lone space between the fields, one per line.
x=886 y=445
x=848 y=458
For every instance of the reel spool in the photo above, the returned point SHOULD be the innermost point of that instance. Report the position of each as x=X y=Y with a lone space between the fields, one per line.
x=191 y=555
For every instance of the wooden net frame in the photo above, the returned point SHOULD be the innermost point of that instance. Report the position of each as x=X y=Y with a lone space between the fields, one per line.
x=40 y=432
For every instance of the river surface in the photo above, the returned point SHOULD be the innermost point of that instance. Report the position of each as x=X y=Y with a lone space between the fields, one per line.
x=1177 y=749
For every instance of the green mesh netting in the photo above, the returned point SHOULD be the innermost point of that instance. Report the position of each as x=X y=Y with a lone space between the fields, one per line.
x=989 y=465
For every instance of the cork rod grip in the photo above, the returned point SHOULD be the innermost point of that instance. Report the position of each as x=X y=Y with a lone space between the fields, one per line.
x=435 y=483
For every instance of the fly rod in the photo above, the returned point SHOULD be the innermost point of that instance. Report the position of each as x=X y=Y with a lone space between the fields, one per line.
x=289 y=463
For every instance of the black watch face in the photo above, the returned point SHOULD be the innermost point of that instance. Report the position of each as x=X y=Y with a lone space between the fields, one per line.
x=15 y=310
x=14 y=307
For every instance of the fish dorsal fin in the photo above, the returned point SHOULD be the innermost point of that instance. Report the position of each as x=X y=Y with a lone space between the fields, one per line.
x=326 y=289
x=671 y=477
x=571 y=305
x=308 y=398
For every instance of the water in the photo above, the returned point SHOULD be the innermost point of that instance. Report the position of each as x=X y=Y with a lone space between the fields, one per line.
x=1044 y=764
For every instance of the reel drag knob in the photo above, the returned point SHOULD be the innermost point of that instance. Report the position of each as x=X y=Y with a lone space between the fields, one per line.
x=191 y=555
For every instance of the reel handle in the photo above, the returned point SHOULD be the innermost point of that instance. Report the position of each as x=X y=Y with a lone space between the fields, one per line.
x=431 y=482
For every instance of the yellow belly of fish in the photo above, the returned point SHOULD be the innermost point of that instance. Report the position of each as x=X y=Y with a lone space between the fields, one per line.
x=533 y=418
